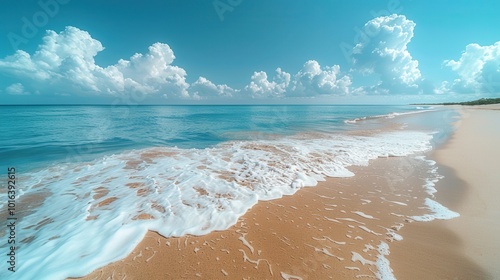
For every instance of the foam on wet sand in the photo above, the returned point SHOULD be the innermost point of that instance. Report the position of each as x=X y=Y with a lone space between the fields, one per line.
x=313 y=234
x=296 y=236
x=465 y=247
x=102 y=209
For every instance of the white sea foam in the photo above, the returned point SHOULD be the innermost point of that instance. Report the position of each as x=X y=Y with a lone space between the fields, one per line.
x=389 y=116
x=357 y=257
x=369 y=230
x=366 y=216
x=290 y=277
x=438 y=212
x=96 y=212
x=383 y=264
x=424 y=107
x=433 y=178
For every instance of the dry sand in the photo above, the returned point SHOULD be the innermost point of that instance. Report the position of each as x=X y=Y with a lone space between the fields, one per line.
x=466 y=247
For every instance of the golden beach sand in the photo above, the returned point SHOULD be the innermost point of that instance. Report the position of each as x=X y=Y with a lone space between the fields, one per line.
x=333 y=230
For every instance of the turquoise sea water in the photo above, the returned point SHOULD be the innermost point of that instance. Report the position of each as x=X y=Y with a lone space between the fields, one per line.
x=85 y=173
x=35 y=136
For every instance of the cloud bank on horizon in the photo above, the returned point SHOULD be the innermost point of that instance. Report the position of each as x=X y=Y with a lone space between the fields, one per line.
x=64 y=64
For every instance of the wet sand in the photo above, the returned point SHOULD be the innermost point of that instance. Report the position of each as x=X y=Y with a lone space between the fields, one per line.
x=470 y=162
x=330 y=231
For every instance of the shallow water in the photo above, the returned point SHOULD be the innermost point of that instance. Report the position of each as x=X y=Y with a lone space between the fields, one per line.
x=96 y=178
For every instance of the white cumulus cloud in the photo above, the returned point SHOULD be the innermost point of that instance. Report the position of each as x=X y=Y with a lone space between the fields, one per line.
x=260 y=86
x=204 y=88
x=478 y=69
x=311 y=80
x=16 y=89
x=383 y=52
x=65 y=62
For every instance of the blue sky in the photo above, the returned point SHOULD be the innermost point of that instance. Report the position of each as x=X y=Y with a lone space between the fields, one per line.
x=248 y=51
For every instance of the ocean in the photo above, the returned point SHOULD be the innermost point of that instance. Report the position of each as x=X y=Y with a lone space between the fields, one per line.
x=90 y=181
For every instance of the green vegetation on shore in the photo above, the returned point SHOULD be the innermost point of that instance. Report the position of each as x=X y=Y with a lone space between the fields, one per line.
x=482 y=101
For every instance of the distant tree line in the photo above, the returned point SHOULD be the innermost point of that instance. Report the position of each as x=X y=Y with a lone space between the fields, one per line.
x=482 y=101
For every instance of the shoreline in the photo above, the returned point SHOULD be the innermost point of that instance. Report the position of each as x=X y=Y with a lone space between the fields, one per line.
x=334 y=230
x=440 y=249
x=276 y=240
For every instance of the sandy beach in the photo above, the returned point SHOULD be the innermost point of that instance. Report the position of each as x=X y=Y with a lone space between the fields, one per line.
x=328 y=231
x=341 y=228
x=466 y=247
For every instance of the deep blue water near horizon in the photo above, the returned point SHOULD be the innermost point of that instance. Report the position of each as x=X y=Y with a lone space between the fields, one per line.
x=41 y=135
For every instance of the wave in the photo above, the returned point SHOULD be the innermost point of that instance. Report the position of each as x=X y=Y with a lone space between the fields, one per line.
x=82 y=216
x=424 y=107
x=389 y=116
